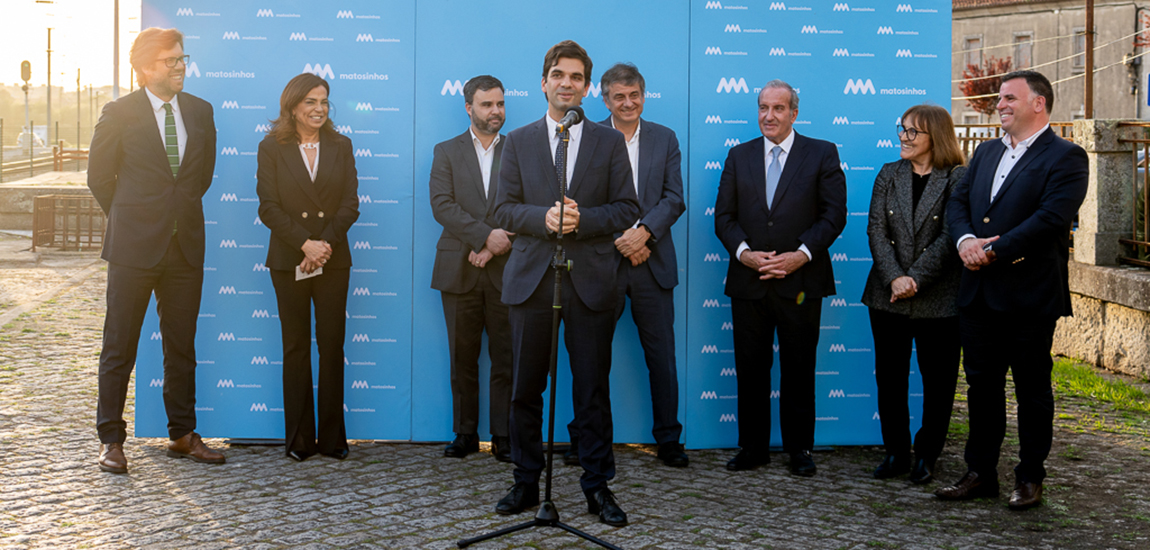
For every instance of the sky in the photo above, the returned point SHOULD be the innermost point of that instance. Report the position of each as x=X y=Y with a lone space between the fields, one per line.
x=82 y=32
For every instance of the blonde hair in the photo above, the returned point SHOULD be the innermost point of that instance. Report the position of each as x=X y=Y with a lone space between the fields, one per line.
x=148 y=44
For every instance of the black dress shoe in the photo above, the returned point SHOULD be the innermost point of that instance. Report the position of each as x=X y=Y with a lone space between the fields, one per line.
x=501 y=448
x=603 y=502
x=673 y=455
x=571 y=457
x=521 y=497
x=971 y=486
x=1025 y=495
x=338 y=454
x=802 y=464
x=923 y=471
x=748 y=460
x=892 y=466
x=462 y=446
x=298 y=456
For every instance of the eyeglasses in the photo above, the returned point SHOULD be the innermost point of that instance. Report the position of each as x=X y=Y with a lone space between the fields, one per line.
x=171 y=61
x=911 y=133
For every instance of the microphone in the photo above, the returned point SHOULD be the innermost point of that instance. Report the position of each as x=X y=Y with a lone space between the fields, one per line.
x=574 y=116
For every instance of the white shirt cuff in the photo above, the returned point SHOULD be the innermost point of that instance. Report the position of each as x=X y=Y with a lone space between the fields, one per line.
x=739 y=253
x=803 y=248
x=963 y=238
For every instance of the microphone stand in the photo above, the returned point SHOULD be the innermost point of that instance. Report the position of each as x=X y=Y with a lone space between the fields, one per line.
x=548 y=515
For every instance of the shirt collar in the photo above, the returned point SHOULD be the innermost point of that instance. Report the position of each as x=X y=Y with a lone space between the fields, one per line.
x=158 y=104
x=786 y=144
x=638 y=128
x=1026 y=143
x=479 y=144
x=576 y=130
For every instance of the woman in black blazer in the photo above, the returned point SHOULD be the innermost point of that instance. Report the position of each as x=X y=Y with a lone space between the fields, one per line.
x=307 y=187
x=912 y=288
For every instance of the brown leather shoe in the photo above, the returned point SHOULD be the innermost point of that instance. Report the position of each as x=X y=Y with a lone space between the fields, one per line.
x=112 y=458
x=971 y=486
x=191 y=446
x=1025 y=495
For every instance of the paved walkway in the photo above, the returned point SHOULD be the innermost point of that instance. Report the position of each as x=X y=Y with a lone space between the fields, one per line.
x=389 y=495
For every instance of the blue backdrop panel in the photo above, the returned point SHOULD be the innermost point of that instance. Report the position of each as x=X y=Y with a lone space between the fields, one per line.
x=243 y=54
x=609 y=31
x=857 y=67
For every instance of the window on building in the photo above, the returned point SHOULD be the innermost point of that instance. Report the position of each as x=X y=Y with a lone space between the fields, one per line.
x=1023 y=50
x=972 y=45
x=971 y=118
x=1078 y=62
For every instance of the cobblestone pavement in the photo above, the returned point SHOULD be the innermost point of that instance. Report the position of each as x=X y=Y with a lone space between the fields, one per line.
x=388 y=495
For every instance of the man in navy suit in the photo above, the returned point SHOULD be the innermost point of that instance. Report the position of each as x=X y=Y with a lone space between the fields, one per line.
x=152 y=157
x=648 y=270
x=1010 y=217
x=599 y=203
x=469 y=260
x=781 y=204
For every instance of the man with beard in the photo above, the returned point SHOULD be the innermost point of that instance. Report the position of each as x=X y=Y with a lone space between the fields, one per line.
x=469 y=260
x=599 y=202
x=152 y=157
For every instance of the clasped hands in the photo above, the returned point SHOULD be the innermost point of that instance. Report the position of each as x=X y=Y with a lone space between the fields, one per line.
x=570 y=216
x=498 y=243
x=316 y=254
x=773 y=265
x=972 y=253
x=633 y=245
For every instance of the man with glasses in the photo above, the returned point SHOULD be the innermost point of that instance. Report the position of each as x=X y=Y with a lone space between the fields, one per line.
x=152 y=157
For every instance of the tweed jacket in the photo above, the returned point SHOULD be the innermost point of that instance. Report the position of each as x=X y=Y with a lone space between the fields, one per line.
x=914 y=242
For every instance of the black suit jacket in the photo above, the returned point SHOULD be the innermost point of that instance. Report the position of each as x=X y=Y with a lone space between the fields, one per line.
x=1032 y=213
x=129 y=176
x=661 y=197
x=296 y=209
x=459 y=204
x=601 y=185
x=809 y=208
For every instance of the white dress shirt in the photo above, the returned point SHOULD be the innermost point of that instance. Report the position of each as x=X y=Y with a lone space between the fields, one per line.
x=633 y=156
x=158 y=110
x=486 y=158
x=576 y=134
x=1010 y=158
x=785 y=147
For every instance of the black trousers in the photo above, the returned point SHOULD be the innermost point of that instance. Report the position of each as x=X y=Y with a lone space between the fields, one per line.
x=937 y=344
x=653 y=310
x=177 y=285
x=755 y=323
x=587 y=335
x=992 y=343
x=467 y=315
x=295 y=298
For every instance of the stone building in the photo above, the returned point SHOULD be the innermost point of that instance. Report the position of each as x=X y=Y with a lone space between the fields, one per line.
x=1049 y=36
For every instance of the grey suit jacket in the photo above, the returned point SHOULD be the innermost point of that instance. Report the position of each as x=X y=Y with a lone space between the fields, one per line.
x=913 y=242
x=466 y=214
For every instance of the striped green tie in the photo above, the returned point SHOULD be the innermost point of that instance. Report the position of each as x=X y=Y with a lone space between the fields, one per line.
x=170 y=141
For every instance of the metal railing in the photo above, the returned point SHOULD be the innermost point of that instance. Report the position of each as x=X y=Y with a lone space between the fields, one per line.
x=67 y=221
x=970 y=136
x=1137 y=250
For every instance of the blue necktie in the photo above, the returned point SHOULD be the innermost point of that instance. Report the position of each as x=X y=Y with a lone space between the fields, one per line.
x=773 y=173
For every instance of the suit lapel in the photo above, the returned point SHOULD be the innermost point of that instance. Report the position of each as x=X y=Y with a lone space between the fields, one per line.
x=759 y=172
x=192 y=130
x=474 y=171
x=646 y=153
x=154 y=141
x=931 y=195
x=587 y=144
x=543 y=156
x=1031 y=153
x=294 y=159
x=904 y=193
x=794 y=164
x=327 y=150
x=493 y=185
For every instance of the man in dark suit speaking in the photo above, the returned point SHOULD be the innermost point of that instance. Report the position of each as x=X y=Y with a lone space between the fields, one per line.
x=648 y=270
x=600 y=202
x=469 y=260
x=1010 y=217
x=152 y=157
x=781 y=204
